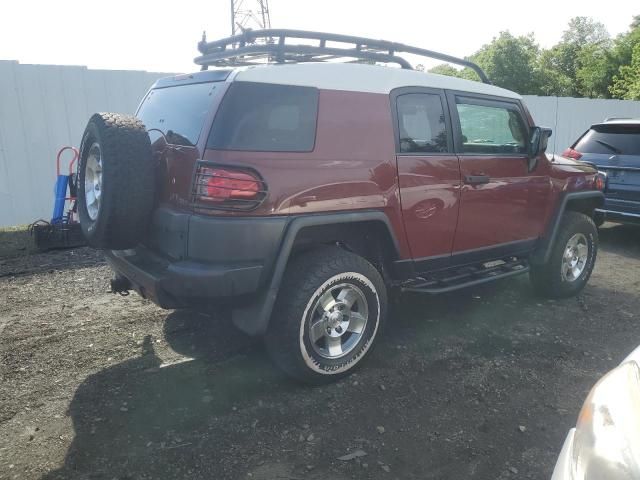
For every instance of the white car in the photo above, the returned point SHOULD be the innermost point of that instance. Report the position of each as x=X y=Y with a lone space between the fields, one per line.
x=605 y=444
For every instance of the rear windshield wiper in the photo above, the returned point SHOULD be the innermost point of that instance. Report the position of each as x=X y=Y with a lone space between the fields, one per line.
x=610 y=147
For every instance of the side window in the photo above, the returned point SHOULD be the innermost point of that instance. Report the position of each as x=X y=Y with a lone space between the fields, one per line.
x=421 y=123
x=491 y=129
x=266 y=117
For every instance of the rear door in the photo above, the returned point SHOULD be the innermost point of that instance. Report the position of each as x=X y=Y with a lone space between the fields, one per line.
x=175 y=113
x=615 y=149
x=428 y=174
x=503 y=204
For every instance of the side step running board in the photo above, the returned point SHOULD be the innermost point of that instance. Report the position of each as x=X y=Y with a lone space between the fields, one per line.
x=467 y=277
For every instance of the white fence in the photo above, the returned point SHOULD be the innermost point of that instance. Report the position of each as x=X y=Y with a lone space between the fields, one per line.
x=44 y=107
x=570 y=117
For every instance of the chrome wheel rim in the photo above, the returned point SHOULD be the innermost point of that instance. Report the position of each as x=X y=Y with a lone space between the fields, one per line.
x=93 y=181
x=574 y=259
x=338 y=321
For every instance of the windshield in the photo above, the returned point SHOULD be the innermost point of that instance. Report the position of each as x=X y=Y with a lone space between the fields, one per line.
x=179 y=112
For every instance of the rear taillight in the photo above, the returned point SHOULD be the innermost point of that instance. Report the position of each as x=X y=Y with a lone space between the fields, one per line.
x=571 y=153
x=222 y=185
x=227 y=188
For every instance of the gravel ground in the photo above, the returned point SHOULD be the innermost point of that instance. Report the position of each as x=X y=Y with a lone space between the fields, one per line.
x=481 y=383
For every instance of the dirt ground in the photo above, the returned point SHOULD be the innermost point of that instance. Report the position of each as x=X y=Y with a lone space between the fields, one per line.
x=482 y=383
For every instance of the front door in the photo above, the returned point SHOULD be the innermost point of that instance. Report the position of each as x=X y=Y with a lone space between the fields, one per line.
x=503 y=204
x=428 y=174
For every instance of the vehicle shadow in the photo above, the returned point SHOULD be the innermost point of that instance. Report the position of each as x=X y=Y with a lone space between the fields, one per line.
x=130 y=417
x=621 y=239
x=196 y=417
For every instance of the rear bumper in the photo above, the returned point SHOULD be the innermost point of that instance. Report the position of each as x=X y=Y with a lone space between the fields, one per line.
x=183 y=283
x=193 y=260
x=621 y=211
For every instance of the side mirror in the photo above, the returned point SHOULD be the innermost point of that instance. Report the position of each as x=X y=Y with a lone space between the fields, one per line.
x=539 y=140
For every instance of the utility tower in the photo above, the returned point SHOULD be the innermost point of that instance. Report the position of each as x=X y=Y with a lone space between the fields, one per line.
x=249 y=14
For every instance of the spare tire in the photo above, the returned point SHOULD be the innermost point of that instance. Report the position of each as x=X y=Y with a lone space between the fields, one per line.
x=116 y=183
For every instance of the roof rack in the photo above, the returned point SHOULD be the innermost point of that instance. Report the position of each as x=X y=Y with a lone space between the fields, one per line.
x=253 y=47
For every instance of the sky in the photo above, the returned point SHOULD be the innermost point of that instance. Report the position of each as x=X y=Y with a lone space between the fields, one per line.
x=161 y=36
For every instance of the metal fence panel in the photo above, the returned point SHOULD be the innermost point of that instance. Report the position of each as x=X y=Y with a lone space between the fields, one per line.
x=571 y=117
x=43 y=108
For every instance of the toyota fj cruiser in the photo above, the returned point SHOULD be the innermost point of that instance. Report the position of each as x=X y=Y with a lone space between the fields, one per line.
x=299 y=194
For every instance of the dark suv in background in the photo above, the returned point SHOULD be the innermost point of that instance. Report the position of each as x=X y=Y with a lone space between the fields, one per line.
x=613 y=147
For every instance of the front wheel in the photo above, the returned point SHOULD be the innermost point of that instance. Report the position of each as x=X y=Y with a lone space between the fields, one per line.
x=330 y=307
x=572 y=258
x=599 y=219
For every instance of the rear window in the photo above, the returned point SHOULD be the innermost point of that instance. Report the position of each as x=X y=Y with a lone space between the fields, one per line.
x=265 y=117
x=179 y=112
x=610 y=140
x=421 y=123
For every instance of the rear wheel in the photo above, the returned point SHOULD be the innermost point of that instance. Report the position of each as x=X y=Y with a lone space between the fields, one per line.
x=572 y=258
x=330 y=307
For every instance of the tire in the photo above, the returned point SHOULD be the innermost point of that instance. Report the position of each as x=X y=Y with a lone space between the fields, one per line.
x=337 y=277
x=556 y=279
x=599 y=219
x=116 y=182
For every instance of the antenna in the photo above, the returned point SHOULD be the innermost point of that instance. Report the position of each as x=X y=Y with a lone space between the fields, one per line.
x=249 y=15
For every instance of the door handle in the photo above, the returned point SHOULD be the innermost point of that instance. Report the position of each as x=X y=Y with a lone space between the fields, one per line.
x=476 y=179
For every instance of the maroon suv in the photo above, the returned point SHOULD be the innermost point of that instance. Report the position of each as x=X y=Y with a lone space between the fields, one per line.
x=298 y=194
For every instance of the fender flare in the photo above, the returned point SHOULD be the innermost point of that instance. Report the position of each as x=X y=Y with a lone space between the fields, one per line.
x=253 y=319
x=543 y=252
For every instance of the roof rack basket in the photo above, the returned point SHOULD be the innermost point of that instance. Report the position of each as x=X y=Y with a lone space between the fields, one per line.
x=254 y=47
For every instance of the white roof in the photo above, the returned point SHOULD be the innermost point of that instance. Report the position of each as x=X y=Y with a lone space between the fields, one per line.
x=360 y=78
x=620 y=121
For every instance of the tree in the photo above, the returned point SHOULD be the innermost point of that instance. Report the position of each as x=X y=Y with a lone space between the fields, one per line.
x=553 y=81
x=624 y=55
x=597 y=66
x=626 y=84
x=573 y=59
x=511 y=62
x=446 y=69
x=585 y=31
x=585 y=63
x=625 y=42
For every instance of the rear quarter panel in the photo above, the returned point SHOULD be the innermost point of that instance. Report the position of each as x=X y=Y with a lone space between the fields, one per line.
x=352 y=165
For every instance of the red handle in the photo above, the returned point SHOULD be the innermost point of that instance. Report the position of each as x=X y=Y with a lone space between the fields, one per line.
x=76 y=155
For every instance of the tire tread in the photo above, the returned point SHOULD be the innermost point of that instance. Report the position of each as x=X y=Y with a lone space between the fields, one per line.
x=128 y=180
x=303 y=276
x=545 y=278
